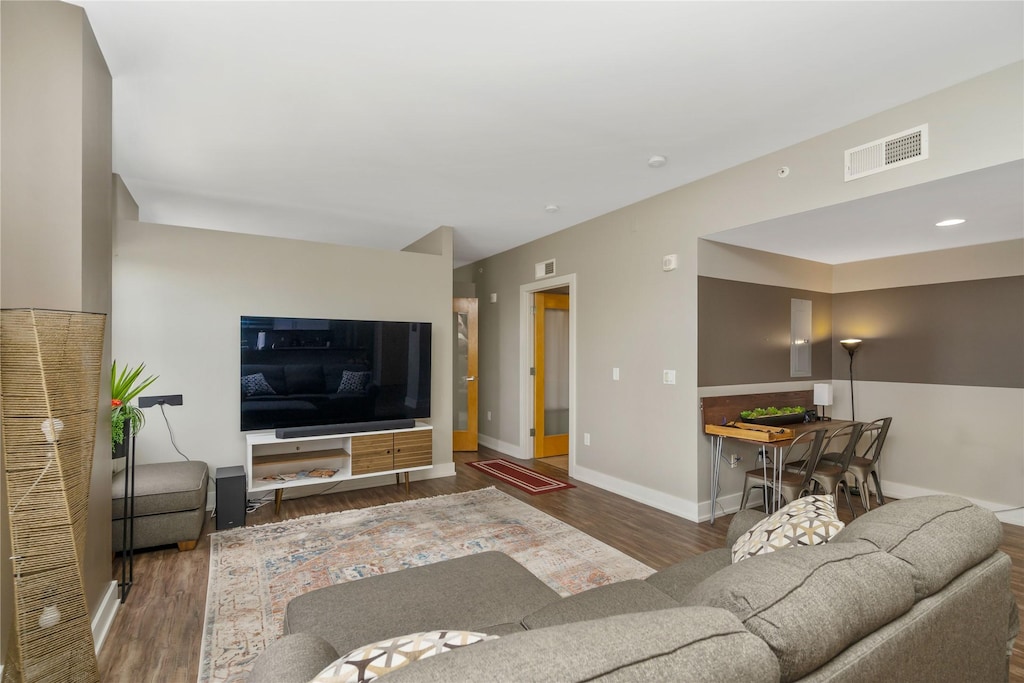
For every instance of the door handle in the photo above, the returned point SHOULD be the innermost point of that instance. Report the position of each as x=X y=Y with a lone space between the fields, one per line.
x=471 y=379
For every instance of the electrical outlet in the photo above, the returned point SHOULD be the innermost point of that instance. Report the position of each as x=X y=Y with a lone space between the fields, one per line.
x=586 y=438
x=734 y=460
x=488 y=416
x=150 y=401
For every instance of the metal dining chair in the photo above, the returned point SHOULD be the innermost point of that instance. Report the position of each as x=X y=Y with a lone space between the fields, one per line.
x=836 y=455
x=867 y=459
x=803 y=452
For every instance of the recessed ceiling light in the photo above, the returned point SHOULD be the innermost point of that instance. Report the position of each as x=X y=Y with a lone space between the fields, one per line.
x=552 y=208
x=657 y=161
x=950 y=222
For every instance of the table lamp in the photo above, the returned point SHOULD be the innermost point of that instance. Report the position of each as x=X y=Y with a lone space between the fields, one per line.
x=823 y=398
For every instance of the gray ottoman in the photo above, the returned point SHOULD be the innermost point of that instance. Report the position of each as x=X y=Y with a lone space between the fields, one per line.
x=170 y=504
x=487 y=592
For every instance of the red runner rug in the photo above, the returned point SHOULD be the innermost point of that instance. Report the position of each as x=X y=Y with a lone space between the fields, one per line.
x=521 y=477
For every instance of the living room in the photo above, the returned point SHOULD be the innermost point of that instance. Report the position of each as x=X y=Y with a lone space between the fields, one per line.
x=175 y=295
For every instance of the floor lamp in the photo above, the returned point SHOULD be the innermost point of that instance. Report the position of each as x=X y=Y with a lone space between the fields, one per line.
x=851 y=346
x=50 y=361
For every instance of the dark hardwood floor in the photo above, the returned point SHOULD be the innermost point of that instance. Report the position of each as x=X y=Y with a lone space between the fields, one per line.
x=156 y=635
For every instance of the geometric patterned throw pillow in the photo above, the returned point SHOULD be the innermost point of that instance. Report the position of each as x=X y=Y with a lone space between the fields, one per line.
x=256 y=385
x=808 y=521
x=376 y=659
x=353 y=381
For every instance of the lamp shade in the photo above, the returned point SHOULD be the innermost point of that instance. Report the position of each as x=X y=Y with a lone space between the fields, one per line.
x=822 y=394
x=850 y=344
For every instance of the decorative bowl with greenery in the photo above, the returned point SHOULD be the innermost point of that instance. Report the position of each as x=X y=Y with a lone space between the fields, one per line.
x=125 y=386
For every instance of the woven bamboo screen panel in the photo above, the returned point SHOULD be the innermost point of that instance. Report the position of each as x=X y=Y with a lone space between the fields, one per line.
x=49 y=389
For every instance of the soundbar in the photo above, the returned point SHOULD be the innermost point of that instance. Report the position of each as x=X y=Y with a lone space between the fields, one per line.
x=345 y=428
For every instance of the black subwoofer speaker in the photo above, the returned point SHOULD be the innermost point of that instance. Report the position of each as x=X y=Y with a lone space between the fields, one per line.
x=230 y=497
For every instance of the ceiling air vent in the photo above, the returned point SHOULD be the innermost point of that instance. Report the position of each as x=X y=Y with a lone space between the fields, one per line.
x=889 y=152
x=544 y=269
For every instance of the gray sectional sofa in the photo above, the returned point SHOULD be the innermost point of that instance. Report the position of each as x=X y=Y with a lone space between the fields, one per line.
x=915 y=590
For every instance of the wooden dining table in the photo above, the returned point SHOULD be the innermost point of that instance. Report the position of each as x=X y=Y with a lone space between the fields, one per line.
x=722 y=410
x=772 y=450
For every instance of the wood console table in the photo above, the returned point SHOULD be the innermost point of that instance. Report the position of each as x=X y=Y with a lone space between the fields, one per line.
x=354 y=456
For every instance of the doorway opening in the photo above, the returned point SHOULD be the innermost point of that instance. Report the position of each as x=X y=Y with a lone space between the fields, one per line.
x=548 y=369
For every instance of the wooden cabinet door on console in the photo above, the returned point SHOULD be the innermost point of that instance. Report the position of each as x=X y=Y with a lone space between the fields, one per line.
x=413 y=449
x=373 y=453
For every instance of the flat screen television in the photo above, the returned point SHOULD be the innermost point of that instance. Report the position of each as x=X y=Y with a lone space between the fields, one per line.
x=302 y=372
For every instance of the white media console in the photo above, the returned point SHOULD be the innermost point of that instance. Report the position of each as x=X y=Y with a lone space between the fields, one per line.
x=274 y=464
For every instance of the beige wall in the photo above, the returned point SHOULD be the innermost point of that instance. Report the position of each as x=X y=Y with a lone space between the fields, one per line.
x=55 y=220
x=998 y=259
x=180 y=293
x=646 y=441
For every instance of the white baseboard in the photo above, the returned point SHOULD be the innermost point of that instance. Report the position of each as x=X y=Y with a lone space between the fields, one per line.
x=896 y=490
x=726 y=506
x=504 y=448
x=731 y=503
x=104 y=616
x=641 y=494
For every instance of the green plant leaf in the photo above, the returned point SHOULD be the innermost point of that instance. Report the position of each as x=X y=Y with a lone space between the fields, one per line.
x=125 y=385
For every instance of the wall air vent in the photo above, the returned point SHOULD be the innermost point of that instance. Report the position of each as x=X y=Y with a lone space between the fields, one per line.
x=889 y=152
x=544 y=269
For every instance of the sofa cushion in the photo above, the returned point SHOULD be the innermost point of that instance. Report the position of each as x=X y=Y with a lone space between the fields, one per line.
x=709 y=645
x=295 y=658
x=370 y=662
x=621 y=597
x=810 y=520
x=162 y=487
x=678 y=580
x=304 y=379
x=465 y=593
x=740 y=524
x=939 y=537
x=273 y=374
x=333 y=373
x=809 y=603
x=353 y=382
x=256 y=385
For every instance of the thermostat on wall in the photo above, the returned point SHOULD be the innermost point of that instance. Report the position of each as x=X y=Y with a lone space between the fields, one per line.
x=669 y=262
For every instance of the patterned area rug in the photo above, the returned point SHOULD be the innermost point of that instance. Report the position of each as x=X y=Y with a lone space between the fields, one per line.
x=521 y=477
x=255 y=571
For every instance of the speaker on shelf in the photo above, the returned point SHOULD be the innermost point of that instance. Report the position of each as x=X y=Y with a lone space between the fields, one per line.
x=230 y=497
x=346 y=428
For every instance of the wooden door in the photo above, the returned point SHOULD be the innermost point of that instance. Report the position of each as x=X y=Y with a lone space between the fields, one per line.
x=551 y=374
x=465 y=381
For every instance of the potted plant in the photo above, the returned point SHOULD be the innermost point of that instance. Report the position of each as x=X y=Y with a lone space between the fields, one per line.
x=124 y=417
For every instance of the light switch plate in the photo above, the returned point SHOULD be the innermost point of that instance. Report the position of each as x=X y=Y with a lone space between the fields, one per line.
x=615 y=374
x=668 y=377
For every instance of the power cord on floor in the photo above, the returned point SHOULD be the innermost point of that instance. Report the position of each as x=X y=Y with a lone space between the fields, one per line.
x=170 y=432
x=254 y=504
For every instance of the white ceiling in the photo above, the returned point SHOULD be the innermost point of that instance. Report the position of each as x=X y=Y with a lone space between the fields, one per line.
x=372 y=123
x=991 y=201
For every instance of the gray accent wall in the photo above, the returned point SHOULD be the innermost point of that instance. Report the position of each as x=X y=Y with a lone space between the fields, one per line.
x=967 y=333
x=743 y=333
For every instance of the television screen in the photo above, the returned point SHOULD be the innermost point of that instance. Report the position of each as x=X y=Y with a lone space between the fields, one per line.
x=298 y=372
